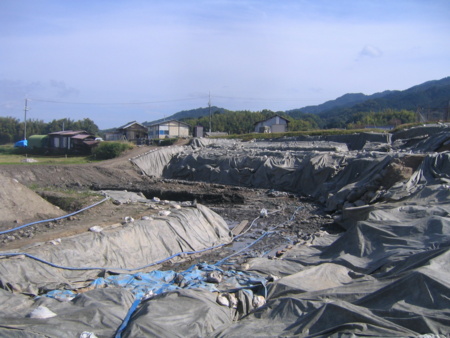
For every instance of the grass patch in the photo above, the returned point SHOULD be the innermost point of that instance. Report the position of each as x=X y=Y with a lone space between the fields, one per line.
x=7 y=149
x=411 y=125
x=11 y=155
x=21 y=159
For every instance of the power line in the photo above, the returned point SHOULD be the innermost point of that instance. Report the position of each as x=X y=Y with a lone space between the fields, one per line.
x=177 y=100
x=265 y=99
x=111 y=103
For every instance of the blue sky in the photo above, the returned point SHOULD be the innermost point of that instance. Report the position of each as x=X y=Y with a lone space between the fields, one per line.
x=118 y=61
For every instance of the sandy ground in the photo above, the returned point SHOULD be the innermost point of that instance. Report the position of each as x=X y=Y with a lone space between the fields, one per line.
x=295 y=219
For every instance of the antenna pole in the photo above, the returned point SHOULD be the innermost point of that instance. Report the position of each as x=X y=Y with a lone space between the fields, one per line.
x=25 y=128
x=209 y=105
x=448 y=111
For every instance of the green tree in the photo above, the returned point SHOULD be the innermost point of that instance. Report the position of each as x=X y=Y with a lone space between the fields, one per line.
x=87 y=125
x=9 y=130
x=378 y=119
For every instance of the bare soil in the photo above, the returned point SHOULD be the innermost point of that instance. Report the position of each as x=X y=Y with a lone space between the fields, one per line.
x=71 y=187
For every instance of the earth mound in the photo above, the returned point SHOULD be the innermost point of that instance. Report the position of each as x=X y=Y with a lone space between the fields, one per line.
x=20 y=201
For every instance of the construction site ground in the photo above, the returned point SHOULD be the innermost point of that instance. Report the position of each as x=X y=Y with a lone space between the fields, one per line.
x=289 y=219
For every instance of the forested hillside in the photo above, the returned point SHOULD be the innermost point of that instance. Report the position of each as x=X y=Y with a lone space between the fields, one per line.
x=343 y=101
x=348 y=111
x=429 y=96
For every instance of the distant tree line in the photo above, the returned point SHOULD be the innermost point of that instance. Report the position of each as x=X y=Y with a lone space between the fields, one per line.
x=231 y=122
x=363 y=119
x=243 y=122
x=387 y=117
x=12 y=130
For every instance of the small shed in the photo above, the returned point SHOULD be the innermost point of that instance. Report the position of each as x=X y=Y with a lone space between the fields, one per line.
x=77 y=141
x=168 y=129
x=274 y=124
x=198 y=131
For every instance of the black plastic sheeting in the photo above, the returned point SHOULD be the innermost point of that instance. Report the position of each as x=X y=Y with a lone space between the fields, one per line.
x=388 y=274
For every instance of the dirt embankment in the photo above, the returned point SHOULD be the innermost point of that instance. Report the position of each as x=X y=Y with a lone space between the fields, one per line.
x=72 y=187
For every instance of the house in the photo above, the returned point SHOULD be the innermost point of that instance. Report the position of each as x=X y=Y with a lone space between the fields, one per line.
x=274 y=124
x=168 y=129
x=76 y=141
x=132 y=131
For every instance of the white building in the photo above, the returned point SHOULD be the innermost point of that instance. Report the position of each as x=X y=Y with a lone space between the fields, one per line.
x=168 y=129
x=274 y=124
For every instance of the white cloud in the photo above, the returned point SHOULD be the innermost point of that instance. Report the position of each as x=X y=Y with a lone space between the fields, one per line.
x=370 y=52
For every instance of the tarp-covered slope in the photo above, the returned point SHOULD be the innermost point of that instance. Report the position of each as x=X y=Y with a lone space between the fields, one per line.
x=387 y=275
x=121 y=248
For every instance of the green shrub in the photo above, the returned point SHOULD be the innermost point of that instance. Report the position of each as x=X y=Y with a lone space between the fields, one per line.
x=7 y=149
x=107 y=150
x=167 y=141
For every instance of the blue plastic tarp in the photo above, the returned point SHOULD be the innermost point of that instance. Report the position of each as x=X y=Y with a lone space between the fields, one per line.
x=21 y=144
x=157 y=282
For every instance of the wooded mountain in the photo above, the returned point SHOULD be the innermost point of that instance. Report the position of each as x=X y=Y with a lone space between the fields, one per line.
x=344 y=101
x=428 y=95
x=431 y=95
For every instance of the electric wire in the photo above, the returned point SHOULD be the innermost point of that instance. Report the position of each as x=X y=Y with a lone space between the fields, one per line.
x=112 y=103
x=200 y=97
x=53 y=219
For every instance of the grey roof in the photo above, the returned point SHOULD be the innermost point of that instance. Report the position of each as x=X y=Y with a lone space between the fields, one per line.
x=164 y=122
x=69 y=132
x=129 y=124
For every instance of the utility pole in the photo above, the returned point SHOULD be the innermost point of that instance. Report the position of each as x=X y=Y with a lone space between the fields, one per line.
x=25 y=128
x=447 y=118
x=209 y=105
